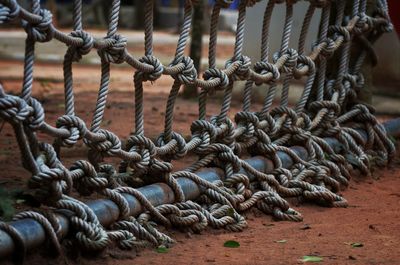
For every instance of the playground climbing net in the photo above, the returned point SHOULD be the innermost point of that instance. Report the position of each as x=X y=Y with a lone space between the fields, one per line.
x=328 y=107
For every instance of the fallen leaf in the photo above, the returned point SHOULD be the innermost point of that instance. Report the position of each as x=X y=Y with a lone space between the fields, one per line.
x=231 y=244
x=162 y=249
x=311 y=259
x=357 y=245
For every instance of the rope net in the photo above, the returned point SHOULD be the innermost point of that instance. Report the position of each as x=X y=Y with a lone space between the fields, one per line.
x=328 y=107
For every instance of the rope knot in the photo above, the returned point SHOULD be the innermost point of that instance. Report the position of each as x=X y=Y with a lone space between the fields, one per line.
x=160 y=167
x=54 y=179
x=290 y=60
x=76 y=127
x=110 y=145
x=290 y=116
x=363 y=24
x=188 y=75
x=178 y=150
x=264 y=68
x=302 y=62
x=243 y=71
x=212 y=74
x=316 y=106
x=14 y=108
x=76 y=52
x=340 y=31
x=87 y=181
x=48 y=184
x=145 y=147
x=225 y=154
x=157 y=71
x=42 y=31
x=9 y=11
x=349 y=81
x=36 y=119
x=225 y=136
x=248 y=120
x=326 y=46
x=115 y=52
x=365 y=114
x=386 y=26
x=205 y=131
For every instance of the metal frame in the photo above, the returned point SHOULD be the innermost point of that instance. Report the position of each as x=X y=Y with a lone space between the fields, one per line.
x=107 y=211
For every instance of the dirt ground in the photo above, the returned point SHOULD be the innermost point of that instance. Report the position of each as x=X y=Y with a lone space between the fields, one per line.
x=372 y=218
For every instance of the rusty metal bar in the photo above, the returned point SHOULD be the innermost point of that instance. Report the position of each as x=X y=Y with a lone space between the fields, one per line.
x=159 y=193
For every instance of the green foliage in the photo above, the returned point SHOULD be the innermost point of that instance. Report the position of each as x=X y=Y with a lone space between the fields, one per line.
x=231 y=244
x=311 y=259
x=162 y=249
x=357 y=245
x=6 y=205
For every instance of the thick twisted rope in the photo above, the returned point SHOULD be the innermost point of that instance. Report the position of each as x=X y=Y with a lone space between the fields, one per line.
x=327 y=108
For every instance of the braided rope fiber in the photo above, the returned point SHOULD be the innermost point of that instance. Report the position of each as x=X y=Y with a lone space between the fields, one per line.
x=328 y=107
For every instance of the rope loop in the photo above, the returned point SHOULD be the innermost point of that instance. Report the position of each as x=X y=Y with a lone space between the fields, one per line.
x=111 y=144
x=243 y=71
x=116 y=52
x=214 y=73
x=205 y=131
x=302 y=62
x=363 y=24
x=36 y=119
x=386 y=26
x=17 y=240
x=53 y=180
x=9 y=10
x=290 y=61
x=225 y=154
x=145 y=147
x=328 y=107
x=249 y=121
x=316 y=106
x=178 y=151
x=76 y=52
x=264 y=68
x=157 y=71
x=225 y=136
x=189 y=73
x=14 y=108
x=88 y=181
x=76 y=127
x=41 y=31
x=327 y=47
x=48 y=184
x=340 y=31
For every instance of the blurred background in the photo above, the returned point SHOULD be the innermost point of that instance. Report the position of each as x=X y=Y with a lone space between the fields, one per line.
x=384 y=79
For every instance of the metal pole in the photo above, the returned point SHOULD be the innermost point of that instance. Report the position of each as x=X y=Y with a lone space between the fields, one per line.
x=107 y=211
